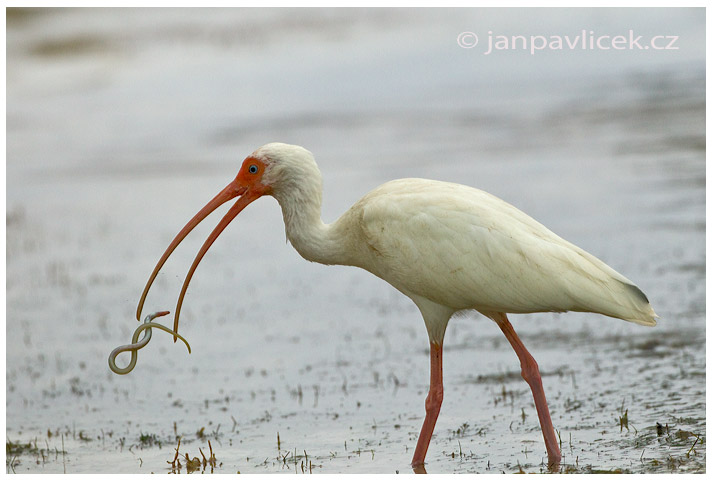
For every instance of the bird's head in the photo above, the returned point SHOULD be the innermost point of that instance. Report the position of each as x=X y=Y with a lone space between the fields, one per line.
x=275 y=169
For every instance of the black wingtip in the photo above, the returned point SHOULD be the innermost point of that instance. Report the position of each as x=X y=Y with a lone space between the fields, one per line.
x=637 y=292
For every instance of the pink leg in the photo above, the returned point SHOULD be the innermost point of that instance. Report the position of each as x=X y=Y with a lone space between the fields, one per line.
x=433 y=405
x=531 y=374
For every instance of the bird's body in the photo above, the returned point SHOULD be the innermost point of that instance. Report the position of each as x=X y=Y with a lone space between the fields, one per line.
x=446 y=246
x=461 y=248
x=450 y=244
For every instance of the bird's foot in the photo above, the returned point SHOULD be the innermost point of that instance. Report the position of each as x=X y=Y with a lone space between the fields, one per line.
x=553 y=463
x=419 y=468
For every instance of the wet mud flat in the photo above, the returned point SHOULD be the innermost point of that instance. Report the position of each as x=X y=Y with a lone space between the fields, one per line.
x=301 y=368
x=612 y=415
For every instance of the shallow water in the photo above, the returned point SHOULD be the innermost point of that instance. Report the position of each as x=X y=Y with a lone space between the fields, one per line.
x=122 y=124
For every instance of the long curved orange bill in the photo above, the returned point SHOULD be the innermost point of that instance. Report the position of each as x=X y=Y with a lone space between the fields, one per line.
x=231 y=191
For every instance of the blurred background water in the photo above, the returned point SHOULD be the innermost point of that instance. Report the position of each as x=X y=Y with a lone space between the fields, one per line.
x=122 y=123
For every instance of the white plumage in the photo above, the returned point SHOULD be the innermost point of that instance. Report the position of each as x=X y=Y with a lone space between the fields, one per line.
x=455 y=246
x=466 y=249
x=447 y=246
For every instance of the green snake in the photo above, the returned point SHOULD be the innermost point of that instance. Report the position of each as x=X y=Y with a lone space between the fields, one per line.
x=136 y=344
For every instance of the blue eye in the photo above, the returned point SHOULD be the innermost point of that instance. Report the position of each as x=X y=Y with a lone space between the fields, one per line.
x=253 y=169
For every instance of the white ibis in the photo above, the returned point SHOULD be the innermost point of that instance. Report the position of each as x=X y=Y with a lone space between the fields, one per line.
x=446 y=246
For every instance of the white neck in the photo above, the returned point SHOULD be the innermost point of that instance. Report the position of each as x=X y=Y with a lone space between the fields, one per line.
x=297 y=186
x=312 y=239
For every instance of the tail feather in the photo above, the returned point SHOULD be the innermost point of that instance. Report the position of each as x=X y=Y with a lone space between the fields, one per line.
x=643 y=312
x=608 y=292
x=619 y=299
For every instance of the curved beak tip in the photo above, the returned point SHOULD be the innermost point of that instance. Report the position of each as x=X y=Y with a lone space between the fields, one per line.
x=232 y=190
